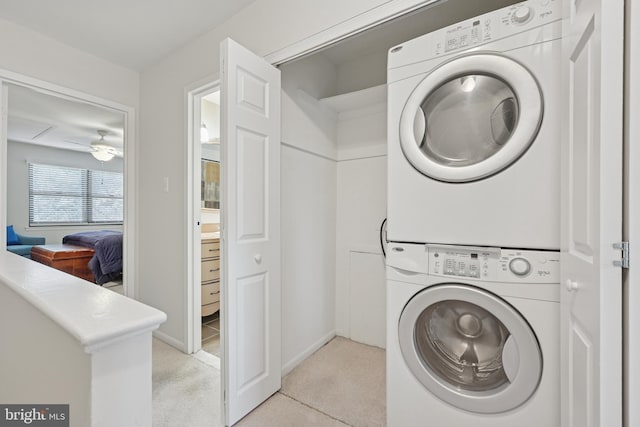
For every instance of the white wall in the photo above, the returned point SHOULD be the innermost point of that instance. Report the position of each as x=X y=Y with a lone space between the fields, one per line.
x=361 y=207
x=210 y=116
x=19 y=155
x=308 y=254
x=308 y=191
x=264 y=27
x=35 y=55
x=362 y=72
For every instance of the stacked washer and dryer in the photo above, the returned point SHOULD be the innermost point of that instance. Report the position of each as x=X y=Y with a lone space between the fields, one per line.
x=473 y=222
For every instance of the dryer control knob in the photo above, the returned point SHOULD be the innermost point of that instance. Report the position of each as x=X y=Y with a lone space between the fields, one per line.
x=521 y=15
x=520 y=266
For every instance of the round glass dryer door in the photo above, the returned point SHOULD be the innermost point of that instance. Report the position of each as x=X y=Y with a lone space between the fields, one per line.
x=470 y=348
x=470 y=118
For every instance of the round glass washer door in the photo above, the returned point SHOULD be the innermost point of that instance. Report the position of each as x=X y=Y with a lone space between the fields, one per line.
x=471 y=117
x=470 y=348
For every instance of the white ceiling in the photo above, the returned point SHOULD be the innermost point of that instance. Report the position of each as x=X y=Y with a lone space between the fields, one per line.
x=132 y=33
x=39 y=118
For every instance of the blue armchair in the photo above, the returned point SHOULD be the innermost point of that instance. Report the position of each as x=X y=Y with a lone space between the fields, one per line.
x=26 y=242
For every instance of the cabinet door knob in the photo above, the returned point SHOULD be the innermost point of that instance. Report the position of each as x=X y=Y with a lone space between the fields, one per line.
x=257 y=258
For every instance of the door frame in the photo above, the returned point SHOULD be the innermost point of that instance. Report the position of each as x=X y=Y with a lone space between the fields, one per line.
x=631 y=210
x=130 y=159
x=194 y=94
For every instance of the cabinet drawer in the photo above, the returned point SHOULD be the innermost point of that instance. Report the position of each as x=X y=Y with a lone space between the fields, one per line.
x=210 y=293
x=209 y=309
x=210 y=270
x=210 y=250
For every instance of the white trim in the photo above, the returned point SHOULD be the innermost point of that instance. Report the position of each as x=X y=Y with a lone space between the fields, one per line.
x=167 y=339
x=3 y=161
x=194 y=93
x=130 y=228
x=207 y=358
x=631 y=227
x=347 y=28
x=293 y=363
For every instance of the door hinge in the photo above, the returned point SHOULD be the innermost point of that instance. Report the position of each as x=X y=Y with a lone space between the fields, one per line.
x=624 y=247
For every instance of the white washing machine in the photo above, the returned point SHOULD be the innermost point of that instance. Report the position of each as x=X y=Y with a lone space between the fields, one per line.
x=472 y=337
x=474 y=131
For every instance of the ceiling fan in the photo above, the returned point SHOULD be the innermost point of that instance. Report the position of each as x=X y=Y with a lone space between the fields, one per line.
x=103 y=151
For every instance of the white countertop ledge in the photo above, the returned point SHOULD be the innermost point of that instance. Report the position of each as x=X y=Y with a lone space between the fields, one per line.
x=95 y=316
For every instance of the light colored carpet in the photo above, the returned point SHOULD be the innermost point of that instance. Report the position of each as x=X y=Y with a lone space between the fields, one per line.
x=115 y=286
x=186 y=392
x=344 y=379
x=343 y=383
x=282 y=411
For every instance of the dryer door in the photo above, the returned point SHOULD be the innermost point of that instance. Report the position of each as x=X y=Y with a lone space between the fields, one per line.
x=471 y=117
x=470 y=348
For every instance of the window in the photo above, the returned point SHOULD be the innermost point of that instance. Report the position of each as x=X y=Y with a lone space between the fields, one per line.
x=60 y=195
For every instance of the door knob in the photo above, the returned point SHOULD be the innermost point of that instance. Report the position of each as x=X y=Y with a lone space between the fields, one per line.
x=571 y=285
x=257 y=258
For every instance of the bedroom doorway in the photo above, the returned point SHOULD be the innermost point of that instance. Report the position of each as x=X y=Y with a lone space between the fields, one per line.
x=204 y=289
x=65 y=181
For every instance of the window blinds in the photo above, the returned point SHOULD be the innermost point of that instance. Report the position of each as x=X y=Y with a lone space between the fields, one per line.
x=61 y=195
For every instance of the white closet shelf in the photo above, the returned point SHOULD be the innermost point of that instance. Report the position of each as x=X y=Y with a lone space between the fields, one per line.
x=356 y=100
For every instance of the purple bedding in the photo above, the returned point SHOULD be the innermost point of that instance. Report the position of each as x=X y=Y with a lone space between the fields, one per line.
x=106 y=263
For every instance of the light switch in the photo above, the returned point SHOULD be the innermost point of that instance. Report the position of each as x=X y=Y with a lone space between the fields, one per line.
x=165 y=184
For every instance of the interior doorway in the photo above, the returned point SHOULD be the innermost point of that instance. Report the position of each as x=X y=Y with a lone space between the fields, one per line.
x=205 y=205
x=66 y=173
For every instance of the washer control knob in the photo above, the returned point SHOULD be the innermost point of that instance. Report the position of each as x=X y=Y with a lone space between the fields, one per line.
x=520 y=266
x=521 y=15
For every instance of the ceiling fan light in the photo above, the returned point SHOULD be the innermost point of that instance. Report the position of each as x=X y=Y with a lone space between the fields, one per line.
x=102 y=154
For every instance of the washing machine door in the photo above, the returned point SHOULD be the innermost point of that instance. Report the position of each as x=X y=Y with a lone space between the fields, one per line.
x=471 y=117
x=470 y=348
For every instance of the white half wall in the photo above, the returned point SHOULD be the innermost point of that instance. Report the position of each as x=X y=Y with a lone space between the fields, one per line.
x=19 y=155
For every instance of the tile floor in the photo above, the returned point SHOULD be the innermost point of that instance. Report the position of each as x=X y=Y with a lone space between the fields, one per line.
x=211 y=334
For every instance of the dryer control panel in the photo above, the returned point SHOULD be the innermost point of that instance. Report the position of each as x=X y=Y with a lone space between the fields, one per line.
x=490 y=27
x=494 y=264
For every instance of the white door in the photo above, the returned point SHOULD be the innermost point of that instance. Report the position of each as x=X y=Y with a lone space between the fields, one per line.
x=250 y=143
x=591 y=295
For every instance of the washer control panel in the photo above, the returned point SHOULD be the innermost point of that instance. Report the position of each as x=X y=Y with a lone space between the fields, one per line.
x=494 y=264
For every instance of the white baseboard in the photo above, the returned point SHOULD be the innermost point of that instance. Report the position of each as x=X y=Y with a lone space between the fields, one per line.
x=207 y=359
x=170 y=340
x=290 y=365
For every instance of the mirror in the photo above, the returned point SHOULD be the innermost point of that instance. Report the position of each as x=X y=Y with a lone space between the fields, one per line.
x=210 y=184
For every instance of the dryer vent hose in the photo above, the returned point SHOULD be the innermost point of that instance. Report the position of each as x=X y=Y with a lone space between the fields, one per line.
x=383 y=237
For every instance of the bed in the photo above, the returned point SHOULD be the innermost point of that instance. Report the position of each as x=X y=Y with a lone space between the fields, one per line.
x=106 y=263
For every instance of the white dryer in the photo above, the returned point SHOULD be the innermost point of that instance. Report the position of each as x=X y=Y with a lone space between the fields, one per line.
x=472 y=337
x=474 y=132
